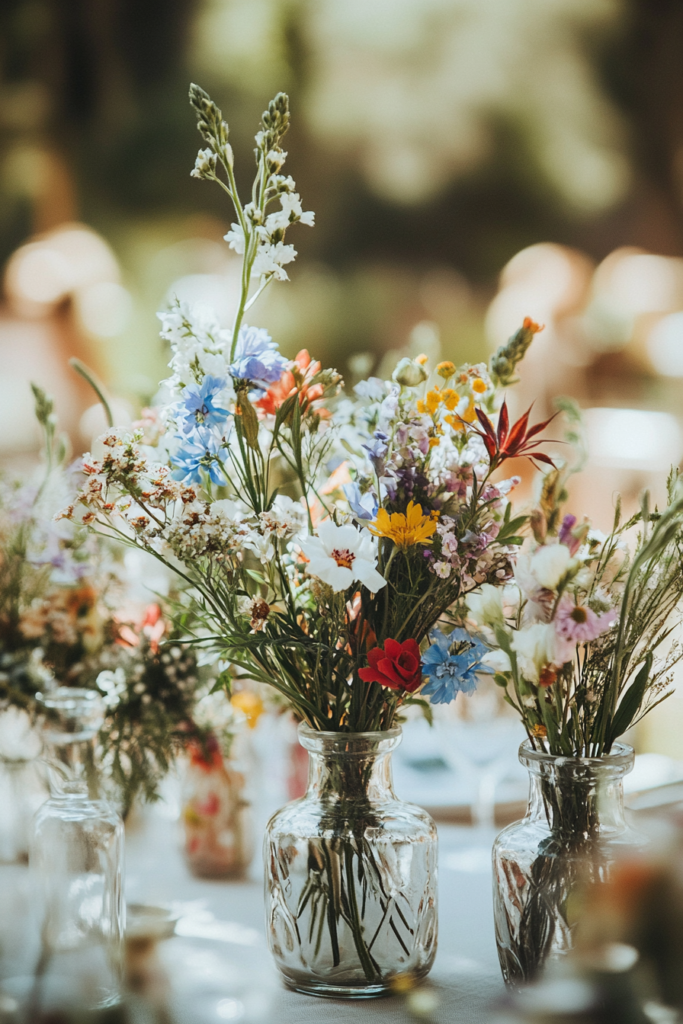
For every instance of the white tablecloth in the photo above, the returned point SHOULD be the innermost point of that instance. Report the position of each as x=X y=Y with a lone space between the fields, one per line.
x=220 y=957
x=466 y=976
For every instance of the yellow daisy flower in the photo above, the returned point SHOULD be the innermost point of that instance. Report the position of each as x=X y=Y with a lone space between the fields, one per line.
x=405 y=530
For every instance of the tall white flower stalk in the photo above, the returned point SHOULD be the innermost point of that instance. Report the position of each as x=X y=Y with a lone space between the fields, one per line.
x=258 y=236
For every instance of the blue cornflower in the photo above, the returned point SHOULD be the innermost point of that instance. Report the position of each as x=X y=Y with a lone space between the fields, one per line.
x=198 y=409
x=257 y=358
x=451 y=664
x=200 y=452
x=363 y=506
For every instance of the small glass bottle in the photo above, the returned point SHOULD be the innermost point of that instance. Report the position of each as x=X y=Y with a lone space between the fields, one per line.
x=76 y=855
x=216 y=814
x=350 y=874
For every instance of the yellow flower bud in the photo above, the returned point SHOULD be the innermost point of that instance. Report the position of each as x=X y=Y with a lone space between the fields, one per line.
x=446 y=369
x=478 y=385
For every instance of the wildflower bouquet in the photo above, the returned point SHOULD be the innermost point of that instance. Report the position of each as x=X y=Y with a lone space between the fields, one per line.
x=323 y=537
x=60 y=591
x=584 y=644
x=583 y=638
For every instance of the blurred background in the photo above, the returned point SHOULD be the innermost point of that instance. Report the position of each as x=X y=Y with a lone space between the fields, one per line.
x=470 y=162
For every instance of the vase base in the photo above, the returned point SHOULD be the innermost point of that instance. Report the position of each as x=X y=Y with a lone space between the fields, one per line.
x=346 y=992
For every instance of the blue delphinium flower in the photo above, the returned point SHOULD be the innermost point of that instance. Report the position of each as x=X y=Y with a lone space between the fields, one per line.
x=451 y=664
x=200 y=452
x=257 y=358
x=363 y=506
x=198 y=407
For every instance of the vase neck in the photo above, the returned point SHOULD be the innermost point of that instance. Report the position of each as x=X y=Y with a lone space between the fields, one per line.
x=350 y=767
x=578 y=796
x=73 y=719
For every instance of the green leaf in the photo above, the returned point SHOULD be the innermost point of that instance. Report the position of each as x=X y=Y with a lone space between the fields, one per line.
x=224 y=682
x=630 y=703
x=500 y=680
x=426 y=707
x=510 y=527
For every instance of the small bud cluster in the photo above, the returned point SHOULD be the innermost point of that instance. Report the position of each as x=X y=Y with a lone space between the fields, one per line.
x=504 y=361
x=213 y=130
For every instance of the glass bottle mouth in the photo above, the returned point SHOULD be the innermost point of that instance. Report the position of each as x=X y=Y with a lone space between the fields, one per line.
x=74 y=714
x=617 y=763
x=349 y=744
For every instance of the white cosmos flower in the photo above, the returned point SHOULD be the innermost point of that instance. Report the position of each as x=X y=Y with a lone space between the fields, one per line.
x=340 y=555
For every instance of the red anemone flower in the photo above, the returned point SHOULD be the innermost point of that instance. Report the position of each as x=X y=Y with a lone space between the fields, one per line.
x=508 y=442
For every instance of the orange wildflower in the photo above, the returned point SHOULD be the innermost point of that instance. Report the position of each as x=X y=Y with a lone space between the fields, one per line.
x=304 y=369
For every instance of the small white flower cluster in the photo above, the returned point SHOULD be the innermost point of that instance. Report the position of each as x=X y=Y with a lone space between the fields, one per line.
x=285 y=517
x=272 y=254
x=199 y=346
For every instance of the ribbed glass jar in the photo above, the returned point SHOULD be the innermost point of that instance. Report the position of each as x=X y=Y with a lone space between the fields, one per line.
x=573 y=830
x=350 y=873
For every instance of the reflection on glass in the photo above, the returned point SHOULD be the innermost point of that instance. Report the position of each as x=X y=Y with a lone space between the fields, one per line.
x=76 y=856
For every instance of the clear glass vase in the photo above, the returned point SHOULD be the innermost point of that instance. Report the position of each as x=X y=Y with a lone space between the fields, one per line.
x=76 y=856
x=23 y=783
x=216 y=816
x=350 y=873
x=573 y=831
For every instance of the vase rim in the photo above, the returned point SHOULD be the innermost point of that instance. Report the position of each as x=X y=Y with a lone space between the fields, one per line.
x=620 y=756
x=306 y=730
x=349 y=744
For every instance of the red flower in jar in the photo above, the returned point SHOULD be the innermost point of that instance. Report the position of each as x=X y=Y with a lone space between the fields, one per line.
x=398 y=666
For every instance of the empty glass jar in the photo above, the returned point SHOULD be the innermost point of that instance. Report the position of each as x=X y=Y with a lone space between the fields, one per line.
x=350 y=879
x=76 y=856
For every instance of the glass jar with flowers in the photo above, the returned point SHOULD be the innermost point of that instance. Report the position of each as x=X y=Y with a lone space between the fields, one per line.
x=324 y=540
x=216 y=814
x=582 y=648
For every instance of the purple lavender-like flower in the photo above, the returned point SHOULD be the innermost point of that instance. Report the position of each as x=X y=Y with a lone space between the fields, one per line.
x=257 y=358
x=198 y=408
x=201 y=452
x=566 y=537
x=377 y=449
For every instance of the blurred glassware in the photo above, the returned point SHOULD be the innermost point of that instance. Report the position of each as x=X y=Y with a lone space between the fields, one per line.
x=23 y=785
x=479 y=736
x=219 y=841
x=573 y=833
x=76 y=856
